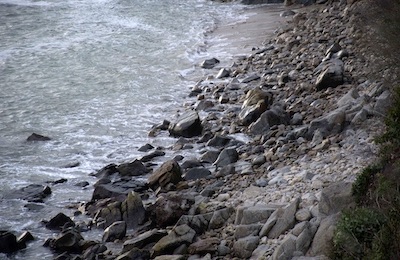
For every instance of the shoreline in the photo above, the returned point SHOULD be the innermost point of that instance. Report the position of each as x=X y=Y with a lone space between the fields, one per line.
x=254 y=197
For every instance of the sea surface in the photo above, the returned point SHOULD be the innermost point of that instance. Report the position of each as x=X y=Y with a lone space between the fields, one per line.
x=94 y=76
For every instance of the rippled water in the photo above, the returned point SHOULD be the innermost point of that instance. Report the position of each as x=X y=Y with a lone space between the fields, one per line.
x=93 y=75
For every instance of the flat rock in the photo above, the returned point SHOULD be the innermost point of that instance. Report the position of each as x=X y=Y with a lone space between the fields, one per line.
x=148 y=237
x=31 y=193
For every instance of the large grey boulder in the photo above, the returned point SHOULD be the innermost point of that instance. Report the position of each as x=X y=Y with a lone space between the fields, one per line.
x=322 y=242
x=209 y=63
x=226 y=157
x=31 y=193
x=244 y=247
x=105 y=188
x=9 y=243
x=146 y=238
x=332 y=123
x=254 y=214
x=335 y=198
x=135 y=168
x=255 y=103
x=116 y=230
x=187 y=125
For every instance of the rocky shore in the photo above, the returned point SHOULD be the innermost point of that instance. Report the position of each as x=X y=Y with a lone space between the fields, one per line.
x=266 y=151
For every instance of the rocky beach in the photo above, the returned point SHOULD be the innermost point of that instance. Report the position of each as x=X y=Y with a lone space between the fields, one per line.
x=266 y=151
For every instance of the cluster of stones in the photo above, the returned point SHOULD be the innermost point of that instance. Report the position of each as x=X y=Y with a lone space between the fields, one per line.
x=275 y=141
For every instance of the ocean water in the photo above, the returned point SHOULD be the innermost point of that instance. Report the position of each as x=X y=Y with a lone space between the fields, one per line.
x=94 y=76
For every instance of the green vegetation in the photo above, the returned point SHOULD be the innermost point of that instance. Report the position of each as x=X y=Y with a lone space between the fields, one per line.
x=372 y=230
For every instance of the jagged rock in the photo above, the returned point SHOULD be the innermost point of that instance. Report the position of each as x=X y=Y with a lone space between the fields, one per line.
x=31 y=193
x=209 y=63
x=135 y=168
x=209 y=156
x=187 y=125
x=170 y=257
x=70 y=240
x=9 y=243
x=331 y=74
x=286 y=249
x=106 y=189
x=204 y=246
x=274 y=116
x=137 y=254
x=169 y=172
x=148 y=237
x=220 y=218
x=244 y=247
x=197 y=173
x=226 y=157
x=94 y=251
x=349 y=98
x=247 y=230
x=322 y=242
x=130 y=210
x=59 y=222
x=151 y=156
x=329 y=124
x=335 y=198
x=254 y=214
x=179 y=235
x=218 y=141
x=145 y=148
x=198 y=223
x=106 y=171
x=255 y=103
x=37 y=137
x=383 y=103
x=169 y=208
x=116 y=230
x=223 y=73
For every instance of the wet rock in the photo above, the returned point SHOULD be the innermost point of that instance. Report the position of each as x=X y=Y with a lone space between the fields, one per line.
x=70 y=240
x=116 y=230
x=187 y=125
x=244 y=247
x=117 y=188
x=135 y=168
x=31 y=193
x=130 y=210
x=169 y=208
x=8 y=242
x=226 y=157
x=59 y=222
x=204 y=246
x=218 y=141
x=142 y=240
x=256 y=102
x=331 y=74
x=274 y=116
x=169 y=172
x=179 y=235
x=209 y=63
x=137 y=254
x=37 y=137
x=209 y=156
x=197 y=173
x=191 y=163
x=250 y=78
x=223 y=73
x=145 y=148
x=82 y=184
x=106 y=171
x=151 y=156
x=94 y=251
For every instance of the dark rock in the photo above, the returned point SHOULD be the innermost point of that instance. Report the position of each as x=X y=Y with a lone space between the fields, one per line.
x=169 y=208
x=137 y=254
x=209 y=156
x=25 y=237
x=94 y=251
x=130 y=210
x=204 y=246
x=218 y=141
x=169 y=172
x=106 y=171
x=70 y=240
x=287 y=13
x=182 y=234
x=152 y=155
x=31 y=193
x=146 y=148
x=197 y=173
x=82 y=184
x=204 y=105
x=199 y=223
x=8 y=242
x=135 y=168
x=142 y=240
x=188 y=125
x=34 y=206
x=37 y=137
x=209 y=63
x=226 y=157
x=59 y=222
x=251 y=78
x=256 y=102
x=107 y=189
x=335 y=198
x=244 y=247
x=220 y=218
x=331 y=74
x=156 y=129
x=332 y=123
x=223 y=73
x=226 y=170
x=271 y=117
x=192 y=163
x=116 y=230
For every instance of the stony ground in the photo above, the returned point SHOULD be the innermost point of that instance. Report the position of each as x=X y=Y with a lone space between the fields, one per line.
x=265 y=155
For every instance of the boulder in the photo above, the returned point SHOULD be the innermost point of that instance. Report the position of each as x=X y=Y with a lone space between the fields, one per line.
x=244 y=247
x=198 y=223
x=151 y=156
x=37 y=137
x=223 y=73
x=94 y=251
x=8 y=242
x=187 y=125
x=383 y=103
x=322 y=242
x=286 y=249
x=335 y=198
x=220 y=218
x=70 y=240
x=332 y=123
x=135 y=168
x=330 y=75
x=226 y=157
x=116 y=230
x=106 y=171
x=137 y=254
x=106 y=189
x=31 y=193
x=204 y=246
x=255 y=103
x=218 y=141
x=59 y=222
x=197 y=173
x=169 y=208
x=209 y=63
x=169 y=172
x=142 y=240
x=274 y=116
x=179 y=235
x=130 y=210
x=254 y=214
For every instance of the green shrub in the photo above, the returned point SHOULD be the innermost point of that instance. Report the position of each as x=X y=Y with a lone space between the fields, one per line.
x=363 y=183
